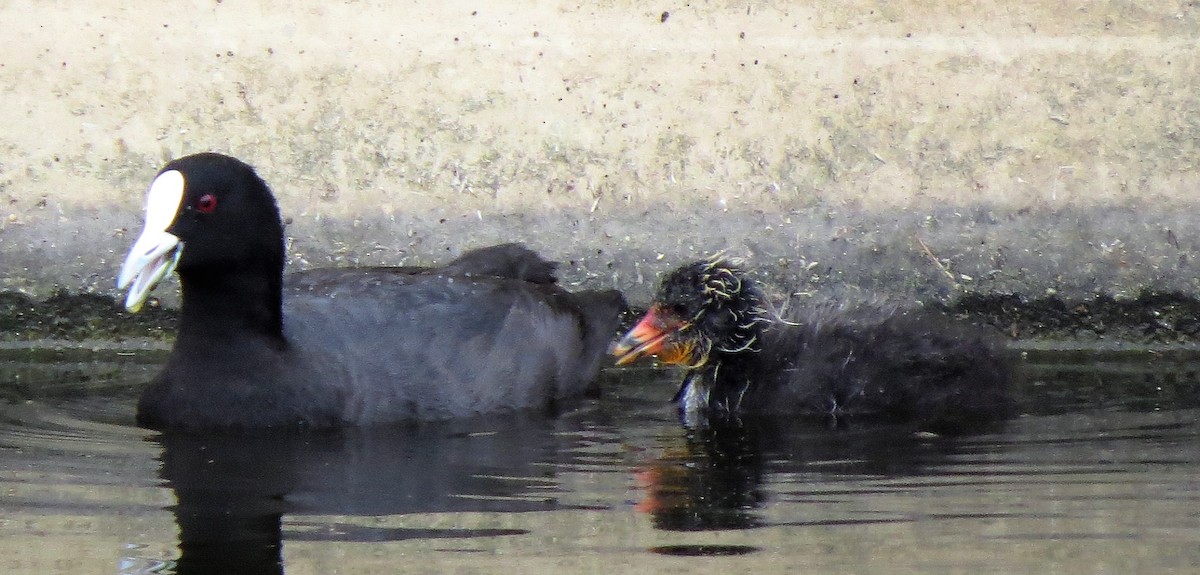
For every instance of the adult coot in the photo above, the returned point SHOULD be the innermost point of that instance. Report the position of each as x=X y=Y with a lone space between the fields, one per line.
x=866 y=362
x=356 y=346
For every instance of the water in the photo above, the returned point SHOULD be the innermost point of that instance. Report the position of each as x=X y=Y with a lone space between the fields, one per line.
x=1101 y=474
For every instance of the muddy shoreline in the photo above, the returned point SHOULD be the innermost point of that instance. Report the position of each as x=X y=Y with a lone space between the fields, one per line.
x=1150 y=318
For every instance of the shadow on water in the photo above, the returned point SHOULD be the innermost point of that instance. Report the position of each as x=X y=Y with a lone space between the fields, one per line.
x=1060 y=381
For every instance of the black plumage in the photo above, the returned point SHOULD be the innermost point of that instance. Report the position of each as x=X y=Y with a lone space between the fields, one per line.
x=491 y=331
x=839 y=362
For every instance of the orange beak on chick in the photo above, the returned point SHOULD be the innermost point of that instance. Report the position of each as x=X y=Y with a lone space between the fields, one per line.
x=656 y=334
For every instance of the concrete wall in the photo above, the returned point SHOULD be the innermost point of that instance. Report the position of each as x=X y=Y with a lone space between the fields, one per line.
x=909 y=147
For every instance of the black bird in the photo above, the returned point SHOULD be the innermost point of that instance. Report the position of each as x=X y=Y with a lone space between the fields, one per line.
x=742 y=359
x=489 y=332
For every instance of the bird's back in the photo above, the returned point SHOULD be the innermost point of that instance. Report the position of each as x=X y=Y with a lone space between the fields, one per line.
x=432 y=346
x=915 y=365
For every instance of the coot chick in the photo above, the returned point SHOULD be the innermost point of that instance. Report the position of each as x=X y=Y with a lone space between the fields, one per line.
x=338 y=347
x=869 y=363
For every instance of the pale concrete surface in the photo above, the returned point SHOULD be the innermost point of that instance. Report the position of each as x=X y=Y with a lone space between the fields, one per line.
x=835 y=145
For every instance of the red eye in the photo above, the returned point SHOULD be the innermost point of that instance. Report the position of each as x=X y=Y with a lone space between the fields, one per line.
x=207 y=203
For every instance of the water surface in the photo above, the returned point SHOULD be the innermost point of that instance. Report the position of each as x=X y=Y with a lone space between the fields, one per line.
x=1099 y=474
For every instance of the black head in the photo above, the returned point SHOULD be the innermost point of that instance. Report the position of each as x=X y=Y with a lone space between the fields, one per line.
x=227 y=216
x=210 y=216
x=702 y=310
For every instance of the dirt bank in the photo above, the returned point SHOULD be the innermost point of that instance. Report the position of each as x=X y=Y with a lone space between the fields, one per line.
x=924 y=152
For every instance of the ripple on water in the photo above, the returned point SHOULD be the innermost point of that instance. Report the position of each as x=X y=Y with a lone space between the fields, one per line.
x=1085 y=481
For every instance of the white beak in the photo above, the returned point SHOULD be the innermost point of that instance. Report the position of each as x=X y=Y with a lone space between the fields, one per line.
x=156 y=252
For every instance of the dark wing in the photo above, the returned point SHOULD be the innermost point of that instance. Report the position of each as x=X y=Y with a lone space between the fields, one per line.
x=433 y=346
x=513 y=261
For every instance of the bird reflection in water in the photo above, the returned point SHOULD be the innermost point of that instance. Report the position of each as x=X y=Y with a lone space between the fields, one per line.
x=714 y=476
x=234 y=490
